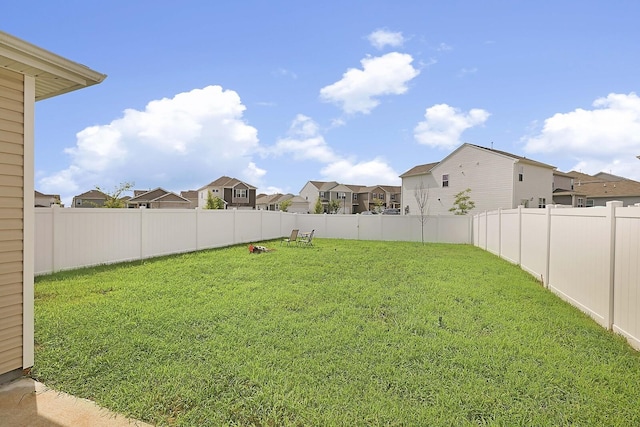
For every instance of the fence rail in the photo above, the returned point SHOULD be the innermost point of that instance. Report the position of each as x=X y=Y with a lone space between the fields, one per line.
x=74 y=238
x=589 y=257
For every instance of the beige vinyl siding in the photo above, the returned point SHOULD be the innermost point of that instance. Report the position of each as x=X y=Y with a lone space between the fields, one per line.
x=487 y=174
x=537 y=182
x=11 y=219
x=409 y=187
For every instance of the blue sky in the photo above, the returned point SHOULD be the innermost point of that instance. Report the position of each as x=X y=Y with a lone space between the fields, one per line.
x=278 y=93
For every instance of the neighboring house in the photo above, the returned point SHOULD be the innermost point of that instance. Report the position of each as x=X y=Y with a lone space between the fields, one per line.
x=326 y=192
x=314 y=190
x=27 y=74
x=89 y=199
x=564 y=192
x=265 y=202
x=352 y=198
x=497 y=179
x=344 y=195
x=601 y=188
x=235 y=193
x=378 y=197
x=158 y=198
x=45 y=200
x=192 y=197
x=271 y=202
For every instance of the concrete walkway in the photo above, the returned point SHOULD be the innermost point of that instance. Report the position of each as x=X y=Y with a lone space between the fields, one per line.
x=28 y=403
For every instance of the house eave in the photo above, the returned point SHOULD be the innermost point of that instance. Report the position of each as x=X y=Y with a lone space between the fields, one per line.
x=54 y=75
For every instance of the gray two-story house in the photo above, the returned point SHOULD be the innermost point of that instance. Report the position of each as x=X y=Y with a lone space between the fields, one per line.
x=236 y=194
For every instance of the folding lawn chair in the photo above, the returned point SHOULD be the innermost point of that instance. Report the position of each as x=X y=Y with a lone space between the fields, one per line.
x=307 y=240
x=292 y=238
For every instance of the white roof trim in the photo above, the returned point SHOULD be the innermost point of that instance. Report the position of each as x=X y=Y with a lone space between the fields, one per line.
x=56 y=75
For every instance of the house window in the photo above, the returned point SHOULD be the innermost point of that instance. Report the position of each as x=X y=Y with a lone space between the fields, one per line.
x=342 y=195
x=78 y=202
x=240 y=193
x=355 y=196
x=521 y=174
x=322 y=194
x=445 y=180
x=580 y=202
x=393 y=197
x=589 y=203
x=542 y=202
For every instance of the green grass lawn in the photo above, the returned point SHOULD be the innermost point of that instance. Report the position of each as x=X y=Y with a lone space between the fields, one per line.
x=345 y=333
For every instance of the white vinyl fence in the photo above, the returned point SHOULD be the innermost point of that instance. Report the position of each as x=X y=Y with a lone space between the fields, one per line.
x=74 y=238
x=590 y=257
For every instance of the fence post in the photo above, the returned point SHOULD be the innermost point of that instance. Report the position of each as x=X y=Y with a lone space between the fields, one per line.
x=197 y=214
x=500 y=232
x=470 y=230
x=486 y=226
x=235 y=233
x=520 y=235
x=547 y=258
x=55 y=213
x=611 y=219
x=143 y=234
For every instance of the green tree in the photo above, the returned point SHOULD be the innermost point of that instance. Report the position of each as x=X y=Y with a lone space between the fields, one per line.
x=317 y=209
x=285 y=204
x=462 y=203
x=378 y=205
x=114 y=198
x=213 y=202
x=334 y=206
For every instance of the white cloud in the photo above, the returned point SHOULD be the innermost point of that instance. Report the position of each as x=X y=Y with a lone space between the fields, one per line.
x=443 y=125
x=271 y=190
x=305 y=142
x=605 y=138
x=283 y=72
x=443 y=47
x=381 y=38
x=428 y=63
x=466 y=71
x=201 y=131
x=253 y=173
x=358 y=90
x=371 y=172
